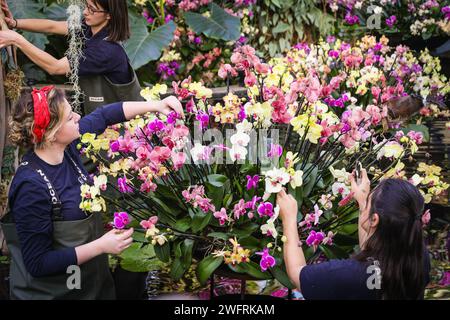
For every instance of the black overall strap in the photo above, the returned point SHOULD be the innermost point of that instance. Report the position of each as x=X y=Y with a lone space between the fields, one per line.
x=81 y=176
x=56 y=202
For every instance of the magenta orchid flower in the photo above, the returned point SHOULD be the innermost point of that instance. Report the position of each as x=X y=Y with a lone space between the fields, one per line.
x=267 y=261
x=121 y=219
x=315 y=238
x=123 y=185
x=252 y=182
x=275 y=151
x=265 y=209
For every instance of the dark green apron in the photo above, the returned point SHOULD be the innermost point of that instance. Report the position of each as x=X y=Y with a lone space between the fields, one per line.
x=95 y=277
x=98 y=91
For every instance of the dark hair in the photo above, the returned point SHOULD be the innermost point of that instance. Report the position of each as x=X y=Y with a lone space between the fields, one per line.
x=118 y=26
x=397 y=242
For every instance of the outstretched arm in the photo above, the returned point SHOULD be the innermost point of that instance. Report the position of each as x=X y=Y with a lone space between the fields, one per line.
x=294 y=258
x=97 y=121
x=44 y=60
x=165 y=106
x=34 y=25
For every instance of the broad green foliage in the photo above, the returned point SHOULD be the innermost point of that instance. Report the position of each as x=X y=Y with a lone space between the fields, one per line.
x=144 y=46
x=284 y=23
x=219 y=25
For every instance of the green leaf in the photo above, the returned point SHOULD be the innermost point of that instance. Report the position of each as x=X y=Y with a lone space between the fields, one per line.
x=206 y=267
x=139 y=237
x=333 y=252
x=38 y=39
x=183 y=258
x=177 y=269
x=220 y=24
x=310 y=184
x=186 y=252
x=252 y=269
x=281 y=27
x=227 y=200
x=200 y=221
x=163 y=252
x=143 y=47
x=273 y=49
x=138 y=258
x=183 y=224
x=217 y=180
x=250 y=242
x=26 y=9
x=171 y=211
x=56 y=11
x=280 y=274
x=219 y=235
x=216 y=194
x=276 y=3
x=33 y=72
x=133 y=265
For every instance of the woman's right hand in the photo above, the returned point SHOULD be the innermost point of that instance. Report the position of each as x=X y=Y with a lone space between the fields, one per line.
x=288 y=207
x=9 y=19
x=360 y=191
x=115 y=241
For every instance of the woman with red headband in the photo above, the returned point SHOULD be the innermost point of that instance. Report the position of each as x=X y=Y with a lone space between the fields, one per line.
x=47 y=234
x=104 y=71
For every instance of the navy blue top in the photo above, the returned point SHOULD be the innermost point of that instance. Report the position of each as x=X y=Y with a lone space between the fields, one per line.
x=341 y=280
x=30 y=202
x=103 y=57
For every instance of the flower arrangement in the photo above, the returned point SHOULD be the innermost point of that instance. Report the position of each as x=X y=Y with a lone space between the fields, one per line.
x=203 y=188
x=421 y=18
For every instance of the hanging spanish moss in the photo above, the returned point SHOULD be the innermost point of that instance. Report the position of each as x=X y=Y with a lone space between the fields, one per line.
x=74 y=52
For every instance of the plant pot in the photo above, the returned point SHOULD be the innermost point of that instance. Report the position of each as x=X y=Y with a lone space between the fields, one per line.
x=130 y=285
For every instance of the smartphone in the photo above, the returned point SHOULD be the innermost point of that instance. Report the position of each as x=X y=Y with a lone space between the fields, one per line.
x=358 y=172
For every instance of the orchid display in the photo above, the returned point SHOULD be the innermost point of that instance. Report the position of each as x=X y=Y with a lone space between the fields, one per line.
x=203 y=187
x=410 y=18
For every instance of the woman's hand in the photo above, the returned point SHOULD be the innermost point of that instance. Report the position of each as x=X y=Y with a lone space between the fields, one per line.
x=288 y=207
x=360 y=191
x=115 y=241
x=8 y=38
x=169 y=104
x=9 y=19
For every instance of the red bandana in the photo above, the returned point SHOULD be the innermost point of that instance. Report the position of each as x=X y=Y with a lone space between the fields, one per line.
x=41 y=111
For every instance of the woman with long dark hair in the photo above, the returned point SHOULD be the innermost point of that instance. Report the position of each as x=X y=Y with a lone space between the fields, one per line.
x=392 y=262
x=104 y=70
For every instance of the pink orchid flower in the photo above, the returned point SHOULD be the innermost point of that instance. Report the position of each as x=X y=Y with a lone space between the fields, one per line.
x=150 y=223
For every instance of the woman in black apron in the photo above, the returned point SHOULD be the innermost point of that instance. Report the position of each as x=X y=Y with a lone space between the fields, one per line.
x=57 y=251
x=105 y=74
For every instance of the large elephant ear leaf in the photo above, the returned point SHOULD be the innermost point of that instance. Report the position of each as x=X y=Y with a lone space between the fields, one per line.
x=219 y=25
x=144 y=46
x=29 y=9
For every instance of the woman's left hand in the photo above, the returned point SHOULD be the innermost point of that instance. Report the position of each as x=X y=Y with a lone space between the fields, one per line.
x=169 y=104
x=8 y=38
